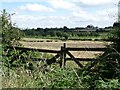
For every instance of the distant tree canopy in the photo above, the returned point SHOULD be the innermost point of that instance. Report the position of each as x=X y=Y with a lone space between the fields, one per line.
x=116 y=25
x=63 y=32
x=10 y=33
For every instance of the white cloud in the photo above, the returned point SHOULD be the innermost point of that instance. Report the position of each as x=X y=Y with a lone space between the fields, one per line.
x=109 y=12
x=64 y=4
x=97 y=2
x=21 y=0
x=101 y=18
x=78 y=16
x=36 y=7
x=77 y=19
x=61 y=4
x=84 y=16
x=40 y=21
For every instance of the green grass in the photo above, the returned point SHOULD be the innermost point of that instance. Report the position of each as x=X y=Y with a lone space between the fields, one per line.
x=102 y=35
x=55 y=78
x=0 y=50
x=52 y=76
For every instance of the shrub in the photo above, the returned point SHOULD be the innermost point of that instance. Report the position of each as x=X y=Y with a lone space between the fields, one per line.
x=10 y=34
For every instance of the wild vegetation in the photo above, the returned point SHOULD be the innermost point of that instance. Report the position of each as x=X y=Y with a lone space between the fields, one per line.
x=10 y=33
x=22 y=73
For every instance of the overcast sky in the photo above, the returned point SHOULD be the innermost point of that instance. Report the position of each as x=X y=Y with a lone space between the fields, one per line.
x=59 y=13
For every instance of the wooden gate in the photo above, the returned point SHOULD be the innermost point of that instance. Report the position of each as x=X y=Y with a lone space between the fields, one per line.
x=59 y=54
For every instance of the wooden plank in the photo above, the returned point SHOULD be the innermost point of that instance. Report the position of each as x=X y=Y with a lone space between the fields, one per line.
x=33 y=49
x=73 y=58
x=86 y=49
x=53 y=60
x=82 y=59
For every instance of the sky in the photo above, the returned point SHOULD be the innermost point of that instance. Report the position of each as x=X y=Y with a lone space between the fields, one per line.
x=59 y=13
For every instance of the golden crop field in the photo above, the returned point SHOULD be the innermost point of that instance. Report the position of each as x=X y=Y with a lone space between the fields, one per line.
x=53 y=45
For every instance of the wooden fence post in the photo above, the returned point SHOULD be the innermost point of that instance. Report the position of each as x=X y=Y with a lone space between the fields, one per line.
x=61 y=57
x=64 y=54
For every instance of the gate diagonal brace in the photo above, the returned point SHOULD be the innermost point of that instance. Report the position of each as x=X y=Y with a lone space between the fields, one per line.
x=53 y=60
x=73 y=58
x=50 y=61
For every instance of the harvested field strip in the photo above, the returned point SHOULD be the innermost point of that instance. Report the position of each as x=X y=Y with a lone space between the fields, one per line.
x=57 y=45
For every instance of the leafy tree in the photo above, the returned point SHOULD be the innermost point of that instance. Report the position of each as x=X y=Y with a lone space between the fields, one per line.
x=66 y=36
x=107 y=65
x=52 y=34
x=10 y=34
x=65 y=29
x=59 y=34
x=116 y=36
x=110 y=60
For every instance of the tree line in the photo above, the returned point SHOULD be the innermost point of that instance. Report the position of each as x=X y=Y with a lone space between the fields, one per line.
x=60 y=32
